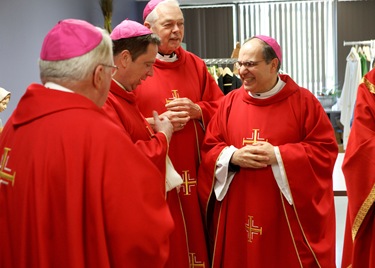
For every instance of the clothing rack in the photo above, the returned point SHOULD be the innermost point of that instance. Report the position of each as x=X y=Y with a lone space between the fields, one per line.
x=353 y=43
x=220 y=61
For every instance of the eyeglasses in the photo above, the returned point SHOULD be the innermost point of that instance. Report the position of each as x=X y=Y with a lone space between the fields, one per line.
x=114 y=68
x=247 y=64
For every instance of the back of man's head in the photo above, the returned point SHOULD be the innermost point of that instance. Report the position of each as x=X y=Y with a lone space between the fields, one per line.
x=72 y=49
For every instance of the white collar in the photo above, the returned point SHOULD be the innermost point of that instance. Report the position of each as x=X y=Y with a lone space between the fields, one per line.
x=52 y=85
x=119 y=84
x=279 y=86
x=167 y=58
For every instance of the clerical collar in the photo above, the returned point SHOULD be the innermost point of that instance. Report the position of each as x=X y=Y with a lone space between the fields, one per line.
x=55 y=86
x=167 y=58
x=119 y=84
x=279 y=86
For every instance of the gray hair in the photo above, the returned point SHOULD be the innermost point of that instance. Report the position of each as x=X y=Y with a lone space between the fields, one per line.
x=77 y=68
x=153 y=16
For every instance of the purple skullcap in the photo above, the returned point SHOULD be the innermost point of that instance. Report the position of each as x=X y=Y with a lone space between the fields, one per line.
x=68 y=39
x=150 y=7
x=272 y=43
x=128 y=29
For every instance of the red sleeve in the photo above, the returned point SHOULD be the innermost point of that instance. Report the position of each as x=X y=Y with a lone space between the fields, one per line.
x=214 y=142
x=136 y=215
x=309 y=166
x=359 y=156
x=358 y=167
x=155 y=149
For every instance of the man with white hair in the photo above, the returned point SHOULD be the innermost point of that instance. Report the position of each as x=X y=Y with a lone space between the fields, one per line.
x=72 y=184
x=182 y=89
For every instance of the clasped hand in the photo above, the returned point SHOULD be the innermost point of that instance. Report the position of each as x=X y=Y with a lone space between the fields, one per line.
x=258 y=155
x=180 y=111
x=163 y=124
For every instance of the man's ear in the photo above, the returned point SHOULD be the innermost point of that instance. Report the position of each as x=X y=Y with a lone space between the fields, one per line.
x=147 y=24
x=98 y=76
x=126 y=58
x=275 y=63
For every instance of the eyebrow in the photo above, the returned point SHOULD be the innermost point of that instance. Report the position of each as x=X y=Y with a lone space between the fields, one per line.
x=172 y=20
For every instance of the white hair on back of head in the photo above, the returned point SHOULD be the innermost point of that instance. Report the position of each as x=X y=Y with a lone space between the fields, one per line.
x=153 y=16
x=78 y=68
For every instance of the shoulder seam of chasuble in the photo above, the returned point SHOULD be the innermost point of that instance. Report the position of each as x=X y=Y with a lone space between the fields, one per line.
x=369 y=85
x=369 y=201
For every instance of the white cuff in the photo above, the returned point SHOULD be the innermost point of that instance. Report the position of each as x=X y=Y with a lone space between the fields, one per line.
x=280 y=176
x=223 y=176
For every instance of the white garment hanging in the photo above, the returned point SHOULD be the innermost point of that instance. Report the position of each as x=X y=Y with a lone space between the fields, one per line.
x=367 y=53
x=353 y=76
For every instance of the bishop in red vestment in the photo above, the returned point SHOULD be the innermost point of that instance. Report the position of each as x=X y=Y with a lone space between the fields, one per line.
x=74 y=190
x=273 y=205
x=178 y=80
x=135 y=49
x=181 y=88
x=358 y=168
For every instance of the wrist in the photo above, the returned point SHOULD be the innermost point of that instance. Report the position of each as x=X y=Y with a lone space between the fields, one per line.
x=198 y=111
x=233 y=168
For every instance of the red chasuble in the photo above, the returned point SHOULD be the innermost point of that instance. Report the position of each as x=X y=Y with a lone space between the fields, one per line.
x=188 y=77
x=256 y=226
x=74 y=190
x=123 y=110
x=359 y=169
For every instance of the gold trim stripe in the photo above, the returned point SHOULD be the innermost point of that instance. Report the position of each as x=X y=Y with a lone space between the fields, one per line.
x=197 y=142
x=363 y=212
x=290 y=229
x=369 y=85
x=300 y=226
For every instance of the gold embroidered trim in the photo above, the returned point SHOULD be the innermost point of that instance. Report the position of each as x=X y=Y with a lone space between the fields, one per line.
x=216 y=237
x=369 y=85
x=184 y=221
x=197 y=141
x=304 y=235
x=300 y=226
x=202 y=120
x=363 y=212
x=212 y=188
x=290 y=229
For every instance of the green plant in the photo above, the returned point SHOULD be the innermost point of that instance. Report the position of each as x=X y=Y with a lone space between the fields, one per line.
x=107 y=8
